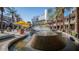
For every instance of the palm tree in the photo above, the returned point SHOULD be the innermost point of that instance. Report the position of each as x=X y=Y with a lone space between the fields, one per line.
x=68 y=9
x=62 y=17
x=77 y=20
x=12 y=12
x=18 y=18
x=62 y=11
x=57 y=15
x=53 y=15
x=69 y=21
x=1 y=21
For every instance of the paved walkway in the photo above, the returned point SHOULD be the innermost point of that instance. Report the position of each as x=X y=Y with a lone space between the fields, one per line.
x=70 y=45
x=4 y=44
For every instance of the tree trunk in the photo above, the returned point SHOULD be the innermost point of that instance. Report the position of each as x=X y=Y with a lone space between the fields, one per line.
x=12 y=21
x=2 y=9
x=56 y=23
x=77 y=20
x=63 y=19
x=69 y=24
x=60 y=25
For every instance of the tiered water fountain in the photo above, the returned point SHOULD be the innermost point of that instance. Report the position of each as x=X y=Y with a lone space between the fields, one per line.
x=47 y=41
x=43 y=39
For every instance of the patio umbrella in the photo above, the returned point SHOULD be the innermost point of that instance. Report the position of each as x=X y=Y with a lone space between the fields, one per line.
x=23 y=24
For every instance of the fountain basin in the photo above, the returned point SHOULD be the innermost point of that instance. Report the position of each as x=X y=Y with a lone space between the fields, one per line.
x=47 y=41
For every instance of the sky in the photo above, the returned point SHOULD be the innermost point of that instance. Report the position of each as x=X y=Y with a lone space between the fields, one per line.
x=27 y=13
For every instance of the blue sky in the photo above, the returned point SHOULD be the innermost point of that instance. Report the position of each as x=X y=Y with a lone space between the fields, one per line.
x=27 y=13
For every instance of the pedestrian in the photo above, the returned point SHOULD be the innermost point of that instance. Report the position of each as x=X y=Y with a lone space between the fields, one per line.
x=22 y=31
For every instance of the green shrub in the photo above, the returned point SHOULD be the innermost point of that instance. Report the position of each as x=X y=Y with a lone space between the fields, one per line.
x=73 y=33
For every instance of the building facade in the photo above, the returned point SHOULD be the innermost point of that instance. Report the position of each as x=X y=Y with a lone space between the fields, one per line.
x=41 y=19
x=35 y=20
x=69 y=21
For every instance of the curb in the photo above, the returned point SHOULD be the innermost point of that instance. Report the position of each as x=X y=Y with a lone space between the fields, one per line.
x=15 y=40
x=6 y=46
